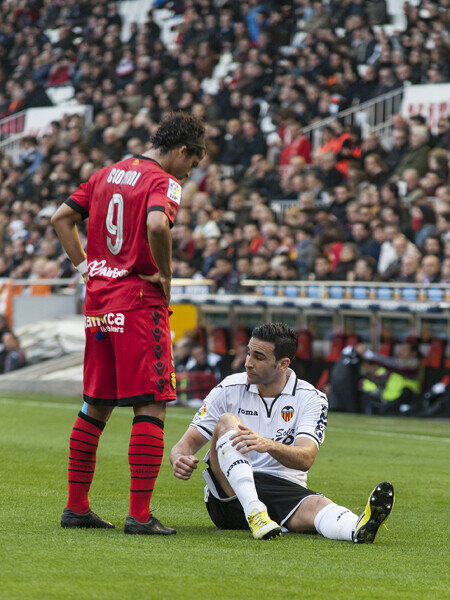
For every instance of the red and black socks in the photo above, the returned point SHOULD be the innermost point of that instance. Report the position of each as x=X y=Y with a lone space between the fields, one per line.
x=145 y=455
x=82 y=456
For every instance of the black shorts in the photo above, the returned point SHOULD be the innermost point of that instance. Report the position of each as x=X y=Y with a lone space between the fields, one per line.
x=282 y=498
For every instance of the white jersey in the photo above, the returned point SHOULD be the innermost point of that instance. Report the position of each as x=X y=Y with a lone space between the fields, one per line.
x=299 y=411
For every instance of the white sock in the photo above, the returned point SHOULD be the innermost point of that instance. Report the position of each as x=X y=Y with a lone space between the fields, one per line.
x=237 y=468
x=335 y=522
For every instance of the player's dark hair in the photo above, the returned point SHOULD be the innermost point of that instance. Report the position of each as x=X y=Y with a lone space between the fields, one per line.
x=283 y=337
x=179 y=129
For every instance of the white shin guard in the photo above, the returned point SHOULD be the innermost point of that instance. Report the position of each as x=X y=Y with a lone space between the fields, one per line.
x=335 y=522
x=237 y=468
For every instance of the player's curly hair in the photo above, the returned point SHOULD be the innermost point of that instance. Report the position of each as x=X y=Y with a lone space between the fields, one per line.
x=179 y=129
x=285 y=339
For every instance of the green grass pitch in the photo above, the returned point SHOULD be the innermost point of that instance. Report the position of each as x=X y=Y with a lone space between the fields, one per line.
x=41 y=561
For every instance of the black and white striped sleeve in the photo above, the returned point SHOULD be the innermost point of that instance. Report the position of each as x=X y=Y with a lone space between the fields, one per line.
x=313 y=420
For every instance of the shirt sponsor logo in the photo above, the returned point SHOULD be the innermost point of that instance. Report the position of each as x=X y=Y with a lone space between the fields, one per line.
x=287 y=412
x=122 y=177
x=111 y=322
x=98 y=268
x=285 y=436
x=249 y=413
x=174 y=191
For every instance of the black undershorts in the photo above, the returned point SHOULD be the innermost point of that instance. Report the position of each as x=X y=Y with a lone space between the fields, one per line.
x=282 y=498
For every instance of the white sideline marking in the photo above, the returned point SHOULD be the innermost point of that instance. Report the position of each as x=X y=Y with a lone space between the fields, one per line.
x=408 y=436
x=72 y=406
x=68 y=405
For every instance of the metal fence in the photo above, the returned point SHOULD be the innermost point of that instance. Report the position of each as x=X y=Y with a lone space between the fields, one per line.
x=373 y=115
x=11 y=135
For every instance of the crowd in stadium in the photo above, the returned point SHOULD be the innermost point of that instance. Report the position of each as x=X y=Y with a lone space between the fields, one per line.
x=358 y=211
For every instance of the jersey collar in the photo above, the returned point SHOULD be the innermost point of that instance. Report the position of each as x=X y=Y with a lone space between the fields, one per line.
x=140 y=157
x=288 y=390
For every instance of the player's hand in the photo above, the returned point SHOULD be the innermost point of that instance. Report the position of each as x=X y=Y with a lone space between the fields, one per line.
x=184 y=465
x=360 y=349
x=246 y=440
x=163 y=282
x=85 y=277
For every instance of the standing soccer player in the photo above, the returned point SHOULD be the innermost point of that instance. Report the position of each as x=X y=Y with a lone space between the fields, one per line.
x=131 y=206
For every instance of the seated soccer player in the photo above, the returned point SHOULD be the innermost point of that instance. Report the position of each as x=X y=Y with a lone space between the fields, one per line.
x=265 y=427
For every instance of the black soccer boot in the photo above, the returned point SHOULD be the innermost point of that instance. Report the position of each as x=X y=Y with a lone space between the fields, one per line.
x=378 y=508
x=69 y=518
x=151 y=527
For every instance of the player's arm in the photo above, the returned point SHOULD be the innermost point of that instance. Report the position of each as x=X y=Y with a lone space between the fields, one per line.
x=182 y=454
x=65 y=222
x=300 y=456
x=160 y=241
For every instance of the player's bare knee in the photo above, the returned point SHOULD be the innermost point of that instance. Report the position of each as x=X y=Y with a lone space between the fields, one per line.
x=314 y=504
x=100 y=413
x=226 y=422
x=150 y=409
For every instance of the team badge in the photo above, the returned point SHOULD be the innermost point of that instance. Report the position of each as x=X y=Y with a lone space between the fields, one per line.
x=287 y=413
x=135 y=161
x=173 y=380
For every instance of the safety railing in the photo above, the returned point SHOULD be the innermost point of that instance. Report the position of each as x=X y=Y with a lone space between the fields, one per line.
x=371 y=309
x=373 y=115
x=436 y=295
x=11 y=135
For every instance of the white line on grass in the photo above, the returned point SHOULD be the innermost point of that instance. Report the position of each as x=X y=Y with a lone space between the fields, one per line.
x=408 y=436
x=72 y=406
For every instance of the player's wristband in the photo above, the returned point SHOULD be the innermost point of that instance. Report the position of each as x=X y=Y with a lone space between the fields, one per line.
x=82 y=267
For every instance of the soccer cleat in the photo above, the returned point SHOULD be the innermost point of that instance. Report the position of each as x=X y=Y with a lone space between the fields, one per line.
x=262 y=526
x=377 y=510
x=151 y=527
x=69 y=518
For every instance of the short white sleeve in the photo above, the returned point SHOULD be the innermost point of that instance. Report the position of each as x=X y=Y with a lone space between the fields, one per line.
x=313 y=420
x=205 y=419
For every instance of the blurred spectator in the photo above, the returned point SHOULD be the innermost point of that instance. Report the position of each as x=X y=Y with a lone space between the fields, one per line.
x=417 y=156
x=430 y=270
x=182 y=349
x=402 y=247
x=361 y=237
x=226 y=278
x=259 y=267
x=408 y=269
x=201 y=360
x=347 y=261
x=14 y=356
x=322 y=269
x=365 y=270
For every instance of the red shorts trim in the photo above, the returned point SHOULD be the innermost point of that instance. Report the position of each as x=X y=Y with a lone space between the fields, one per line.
x=128 y=358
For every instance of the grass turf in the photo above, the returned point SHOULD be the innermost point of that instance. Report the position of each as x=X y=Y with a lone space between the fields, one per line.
x=42 y=561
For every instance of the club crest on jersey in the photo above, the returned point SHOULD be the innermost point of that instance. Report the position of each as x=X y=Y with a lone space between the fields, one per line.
x=287 y=413
x=173 y=381
x=174 y=191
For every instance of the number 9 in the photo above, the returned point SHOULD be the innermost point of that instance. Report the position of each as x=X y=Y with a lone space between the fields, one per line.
x=115 y=229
